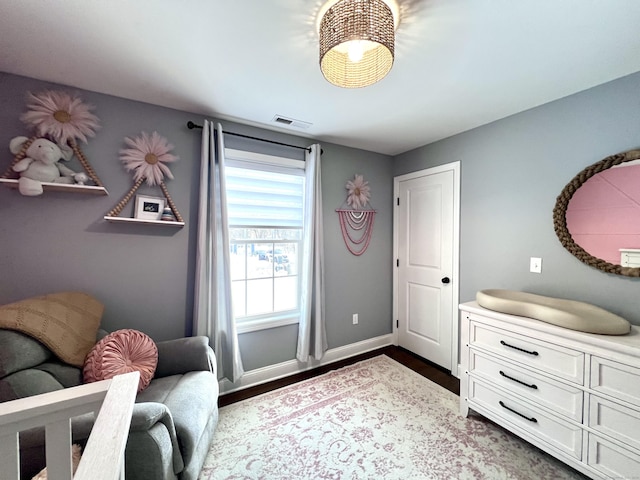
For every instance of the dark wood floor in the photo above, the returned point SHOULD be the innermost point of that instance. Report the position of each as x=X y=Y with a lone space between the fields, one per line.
x=425 y=368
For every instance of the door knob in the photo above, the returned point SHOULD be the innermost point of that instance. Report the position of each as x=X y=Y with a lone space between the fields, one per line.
x=446 y=280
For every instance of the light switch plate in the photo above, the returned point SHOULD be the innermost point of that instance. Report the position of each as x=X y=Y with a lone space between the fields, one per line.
x=535 y=265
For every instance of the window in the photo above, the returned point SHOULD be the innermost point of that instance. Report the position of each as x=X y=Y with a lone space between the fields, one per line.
x=265 y=200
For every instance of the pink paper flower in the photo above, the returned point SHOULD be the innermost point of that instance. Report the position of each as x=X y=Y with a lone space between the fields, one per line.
x=358 y=192
x=60 y=116
x=147 y=157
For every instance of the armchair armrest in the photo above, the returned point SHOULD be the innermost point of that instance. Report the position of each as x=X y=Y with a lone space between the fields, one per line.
x=145 y=415
x=184 y=355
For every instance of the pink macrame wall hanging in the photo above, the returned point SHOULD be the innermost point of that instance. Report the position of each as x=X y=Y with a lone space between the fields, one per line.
x=356 y=221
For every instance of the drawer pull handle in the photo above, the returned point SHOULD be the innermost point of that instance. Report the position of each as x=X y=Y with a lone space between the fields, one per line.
x=533 y=385
x=502 y=342
x=531 y=419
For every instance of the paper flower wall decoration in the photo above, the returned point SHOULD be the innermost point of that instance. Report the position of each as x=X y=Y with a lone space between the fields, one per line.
x=60 y=116
x=356 y=223
x=358 y=192
x=147 y=157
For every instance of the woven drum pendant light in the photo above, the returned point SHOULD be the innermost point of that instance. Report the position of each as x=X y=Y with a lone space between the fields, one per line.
x=357 y=42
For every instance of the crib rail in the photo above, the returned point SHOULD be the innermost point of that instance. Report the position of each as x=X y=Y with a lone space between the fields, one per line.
x=103 y=457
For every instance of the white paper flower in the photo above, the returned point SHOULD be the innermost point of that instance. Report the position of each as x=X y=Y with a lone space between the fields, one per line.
x=60 y=116
x=147 y=157
x=358 y=192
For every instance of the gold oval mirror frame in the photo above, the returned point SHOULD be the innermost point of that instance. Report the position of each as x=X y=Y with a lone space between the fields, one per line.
x=560 y=214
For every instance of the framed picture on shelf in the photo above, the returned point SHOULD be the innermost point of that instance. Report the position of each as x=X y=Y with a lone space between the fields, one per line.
x=149 y=208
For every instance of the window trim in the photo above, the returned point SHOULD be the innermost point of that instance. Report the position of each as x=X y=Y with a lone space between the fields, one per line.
x=274 y=321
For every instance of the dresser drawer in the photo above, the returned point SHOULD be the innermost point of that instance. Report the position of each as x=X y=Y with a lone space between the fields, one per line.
x=611 y=460
x=619 y=422
x=562 y=362
x=554 y=431
x=561 y=398
x=616 y=379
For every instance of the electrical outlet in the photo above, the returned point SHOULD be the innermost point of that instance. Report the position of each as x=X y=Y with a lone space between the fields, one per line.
x=535 y=265
x=355 y=318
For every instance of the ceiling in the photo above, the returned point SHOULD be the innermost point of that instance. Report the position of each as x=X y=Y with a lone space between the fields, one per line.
x=459 y=63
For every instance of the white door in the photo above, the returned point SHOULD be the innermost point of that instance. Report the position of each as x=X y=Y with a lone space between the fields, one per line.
x=426 y=248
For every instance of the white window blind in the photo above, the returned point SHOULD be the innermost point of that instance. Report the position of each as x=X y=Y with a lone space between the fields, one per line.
x=258 y=198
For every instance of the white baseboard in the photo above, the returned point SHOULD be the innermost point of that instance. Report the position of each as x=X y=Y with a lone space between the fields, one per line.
x=291 y=367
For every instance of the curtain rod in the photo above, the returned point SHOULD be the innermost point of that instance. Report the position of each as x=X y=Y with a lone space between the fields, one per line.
x=191 y=126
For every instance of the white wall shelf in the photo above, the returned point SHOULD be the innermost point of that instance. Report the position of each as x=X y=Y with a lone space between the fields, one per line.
x=143 y=222
x=630 y=257
x=60 y=187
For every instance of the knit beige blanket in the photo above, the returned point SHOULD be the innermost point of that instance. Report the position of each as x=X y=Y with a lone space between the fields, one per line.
x=66 y=322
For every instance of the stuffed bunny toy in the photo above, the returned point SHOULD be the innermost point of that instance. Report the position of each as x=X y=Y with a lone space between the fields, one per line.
x=42 y=164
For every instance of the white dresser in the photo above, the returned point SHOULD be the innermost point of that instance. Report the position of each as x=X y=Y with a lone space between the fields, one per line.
x=574 y=395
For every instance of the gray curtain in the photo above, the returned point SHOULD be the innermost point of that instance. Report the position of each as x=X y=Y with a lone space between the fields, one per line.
x=312 y=335
x=213 y=307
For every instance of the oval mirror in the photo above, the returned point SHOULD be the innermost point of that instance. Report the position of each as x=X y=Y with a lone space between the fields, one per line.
x=597 y=215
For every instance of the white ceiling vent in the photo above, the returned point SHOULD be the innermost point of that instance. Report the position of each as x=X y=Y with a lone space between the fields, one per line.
x=290 y=122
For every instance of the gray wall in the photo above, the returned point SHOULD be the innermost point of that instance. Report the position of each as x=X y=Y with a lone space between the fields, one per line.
x=512 y=171
x=143 y=275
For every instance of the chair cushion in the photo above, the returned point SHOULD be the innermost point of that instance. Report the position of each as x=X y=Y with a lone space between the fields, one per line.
x=19 y=351
x=67 y=375
x=27 y=383
x=120 y=352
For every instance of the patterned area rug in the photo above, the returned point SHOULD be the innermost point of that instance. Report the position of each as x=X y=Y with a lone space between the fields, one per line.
x=373 y=420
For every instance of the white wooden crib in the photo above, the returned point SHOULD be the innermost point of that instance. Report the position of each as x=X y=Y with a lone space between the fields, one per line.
x=103 y=456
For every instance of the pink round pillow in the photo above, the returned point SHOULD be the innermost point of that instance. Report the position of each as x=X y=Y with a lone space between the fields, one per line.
x=120 y=352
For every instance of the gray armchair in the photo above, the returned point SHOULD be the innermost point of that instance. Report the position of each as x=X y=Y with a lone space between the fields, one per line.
x=173 y=420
